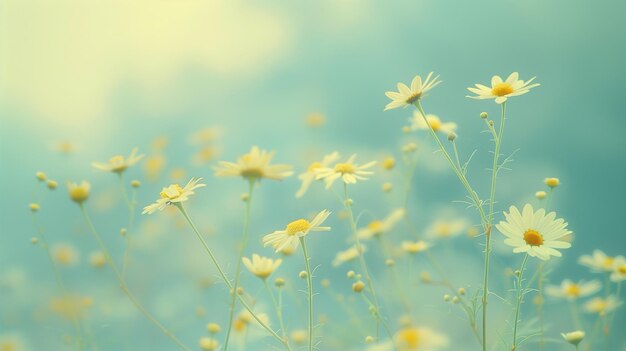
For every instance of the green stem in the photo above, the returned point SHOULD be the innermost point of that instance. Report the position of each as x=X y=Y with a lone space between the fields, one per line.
x=242 y=248
x=520 y=296
x=540 y=307
x=225 y=278
x=57 y=276
x=124 y=287
x=307 y=265
x=574 y=313
x=131 y=216
x=278 y=308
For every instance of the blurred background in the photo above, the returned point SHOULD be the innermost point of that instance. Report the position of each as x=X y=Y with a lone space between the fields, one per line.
x=193 y=82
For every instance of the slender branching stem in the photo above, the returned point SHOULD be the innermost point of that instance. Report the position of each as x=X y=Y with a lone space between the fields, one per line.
x=277 y=307
x=309 y=276
x=520 y=297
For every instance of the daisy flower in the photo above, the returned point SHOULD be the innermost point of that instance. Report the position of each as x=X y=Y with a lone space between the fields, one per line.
x=290 y=236
x=174 y=194
x=348 y=255
x=309 y=176
x=447 y=228
x=78 y=192
x=348 y=171
x=414 y=247
x=574 y=337
x=406 y=96
x=571 y=291
x=598 y=261
x=260 y=266
x=417 y=123
x=254 y=166
x=118 y=164
x=419 y=338
x=501 y=90
x=602 y=305
x=535 y=233
x=378 y=227
x=619 y=269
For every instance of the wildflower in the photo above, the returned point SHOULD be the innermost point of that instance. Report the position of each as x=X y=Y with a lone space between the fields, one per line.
x=552 y=182
x=173 y=194
x=377 y=227
x=51 y=184
x=540 y=195
x=118 y=164
x=414 y=339
x=598 y=261
x=574 y=337
x=501 y=90
x=446 y=229
x=260 y=266
x=290 y=236
x=299 y=336
x=78 y=193
x=389 y=163
x=41 y=176
x=409 y=148
x=34 y=207
x=154 y=165
x=619 y=269
x=602 y=305
x=97 y=259
x=303 y=275
x=254 y=166
x=209 y=344
x=414 y=247
x=279 y=282
x=309 y=176
x=535 y=233
x=484 y=115
x=245 y=319
x=387 y=187
x=418 y=123
x=135 y=183
x=348 y=255
x=358 y=286
x=348 y=171
x=204 y=136
x=406 y=96
x=70 y=306
x=65 y=254
x=571 y=291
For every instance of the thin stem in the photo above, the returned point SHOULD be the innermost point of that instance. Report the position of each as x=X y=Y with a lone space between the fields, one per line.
x=131 y=216
x=307 y=265
x=456 y=156
x=520 y=295
x=540 y=307
x=574 y=313
x=124 y=287
x=59 y=280
x=277 y=307
x=242 y=248
x=225 y=278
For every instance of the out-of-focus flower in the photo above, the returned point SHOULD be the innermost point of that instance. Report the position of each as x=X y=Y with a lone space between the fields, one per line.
x=535 y=233
x=574 y=337
x=245 y=319
x=309 y=176
x=315 y=120
x=118 y=164
x=379 y=227
x=260 y=266
x=79 y=193
x=414 y=247
x=174 y=194
x=290 y=236
x=406 y=96
x=208 y=344
x=154 y=165
x=97 y=259
x=253 y=166
x=348 y=171
x=348 y=255
x=619 y=269
x=571 y=291
x=552 y=182
x=419 y=338
x=598 y=261
x=602 y=305
x=502 y=90
x=417 y=123
x=447 y=228
x=299 y=336
x=65 y=254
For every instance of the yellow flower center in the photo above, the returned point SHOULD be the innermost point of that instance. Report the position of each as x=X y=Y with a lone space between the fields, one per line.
x=413 y=97
x=79 y=193
x=239 y=325
x=410 y=338
x=435 y=124
x=344 y=168
x=297 y=226
x=252 y=172
x=8 y=346
x=314 y=166
x=533 y=238
x=376 y=226
x=608 y=262
x=502 y=89
x=572 y=290
x=622 y=269
x=117 y=163
x=172 y=192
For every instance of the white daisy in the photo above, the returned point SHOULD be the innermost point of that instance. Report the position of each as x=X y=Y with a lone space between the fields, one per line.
x=501 y=90
x=417 y=123
x=619 y=269
x=348 y=255
x=309 y=176
x=173 y=194
x=118 y=164
x=260 y=266
x=419 y=338
x=378 y=227
x=535 y=233
x=571 y=291
x=414 y=247
x=602 y=305
x=254 y=166
x=574 y=337
x=290 y=236
x=348 y=171
x=406 y=96
x=598 y=261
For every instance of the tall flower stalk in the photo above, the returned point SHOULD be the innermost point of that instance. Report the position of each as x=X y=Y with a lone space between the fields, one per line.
x=309 y=275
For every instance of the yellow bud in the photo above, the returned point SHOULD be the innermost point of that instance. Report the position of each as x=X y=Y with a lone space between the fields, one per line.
x=387 y=187
x=279 y=282
x=541 y=195
x=303 y=275
x=358 y=286
x=41 y=176
x=213 y=328
x=52 y=184
x=389 y=163
x=135 y=183
x=34 y=207
x=552 y=182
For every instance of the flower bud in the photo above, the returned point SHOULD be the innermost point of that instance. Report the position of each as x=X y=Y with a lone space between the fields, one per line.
x=358 y=286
